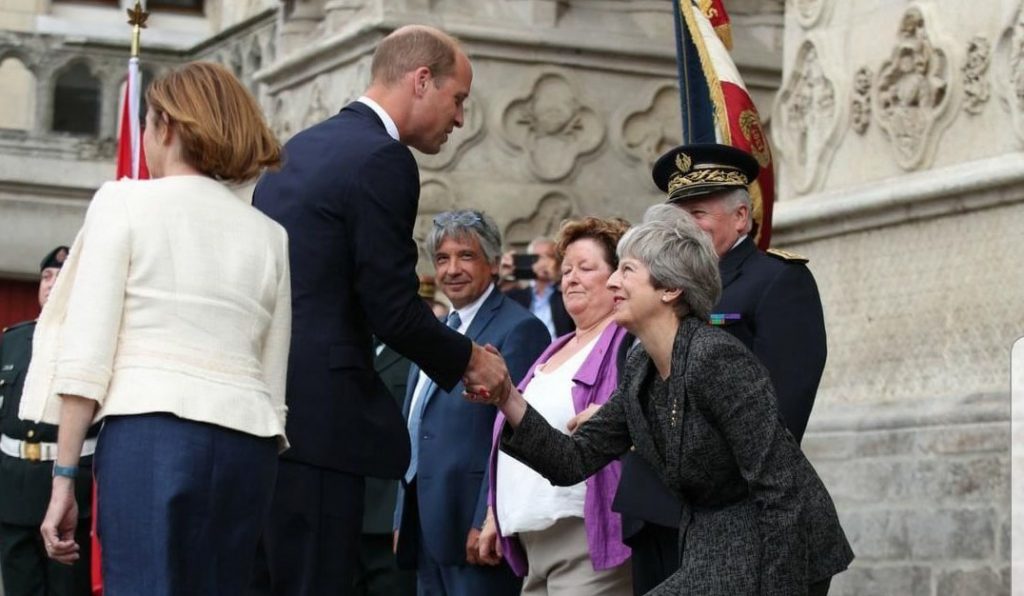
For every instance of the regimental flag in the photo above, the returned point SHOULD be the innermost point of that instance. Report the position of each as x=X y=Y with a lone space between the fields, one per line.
x=131 y=160
x=714 y=102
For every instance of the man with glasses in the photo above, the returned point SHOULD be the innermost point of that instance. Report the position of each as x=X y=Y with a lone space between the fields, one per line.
x=347 y=195
x=443 y=500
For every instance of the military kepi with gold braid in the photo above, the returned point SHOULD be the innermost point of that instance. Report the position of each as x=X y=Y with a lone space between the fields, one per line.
x=700 y=169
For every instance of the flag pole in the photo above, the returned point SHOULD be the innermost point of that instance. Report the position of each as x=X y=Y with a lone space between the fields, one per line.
x=137 y=16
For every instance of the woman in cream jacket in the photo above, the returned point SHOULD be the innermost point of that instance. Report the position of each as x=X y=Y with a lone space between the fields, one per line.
x=171 y=324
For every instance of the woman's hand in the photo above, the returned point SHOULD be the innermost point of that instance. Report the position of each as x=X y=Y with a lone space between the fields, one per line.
x=489 y=543
x=58 y=529
x=577 y=421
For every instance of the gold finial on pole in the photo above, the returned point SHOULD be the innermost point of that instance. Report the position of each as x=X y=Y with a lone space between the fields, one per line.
x=137 y=19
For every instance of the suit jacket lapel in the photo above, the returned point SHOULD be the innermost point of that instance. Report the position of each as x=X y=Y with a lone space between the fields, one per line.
x=639 y=366
x=485 y=314
x=387 y=359
x=677 y=391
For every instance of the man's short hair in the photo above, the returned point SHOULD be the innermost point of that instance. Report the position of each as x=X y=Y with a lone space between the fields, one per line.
x=411 y=47
x=464 y=224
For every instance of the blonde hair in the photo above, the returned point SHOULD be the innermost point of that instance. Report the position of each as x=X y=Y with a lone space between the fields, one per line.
x=222 y=130
x=411 y=47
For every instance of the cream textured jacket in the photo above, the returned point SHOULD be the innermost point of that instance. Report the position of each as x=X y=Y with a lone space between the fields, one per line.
x=175 y=298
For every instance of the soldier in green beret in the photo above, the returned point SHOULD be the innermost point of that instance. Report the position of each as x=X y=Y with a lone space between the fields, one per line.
x=27 y=453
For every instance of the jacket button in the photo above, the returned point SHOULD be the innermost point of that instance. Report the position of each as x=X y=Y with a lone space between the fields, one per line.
x=31 y=433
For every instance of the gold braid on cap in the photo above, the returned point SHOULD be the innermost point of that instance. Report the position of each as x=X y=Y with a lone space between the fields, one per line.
x=706 y=176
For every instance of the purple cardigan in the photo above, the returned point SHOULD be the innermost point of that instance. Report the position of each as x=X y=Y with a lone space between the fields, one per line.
x=594 y=383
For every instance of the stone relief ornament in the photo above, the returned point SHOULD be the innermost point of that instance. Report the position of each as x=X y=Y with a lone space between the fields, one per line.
x=553 y=125
x=552 y=209
x=808 y=12
x=913 y=91
x=649 y=126
x=460 y=139
x=318 y=109
x=807 y=118
x=1011 y=76
x=860 y=105
x=975 y=69
x=435 y=197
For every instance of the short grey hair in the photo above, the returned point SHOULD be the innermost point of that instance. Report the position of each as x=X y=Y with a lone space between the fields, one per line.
x=741 y=197
x=679 y=256
x=462 y=224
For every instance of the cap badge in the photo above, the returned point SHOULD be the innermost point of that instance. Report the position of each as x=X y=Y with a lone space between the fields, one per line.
x=683 y=163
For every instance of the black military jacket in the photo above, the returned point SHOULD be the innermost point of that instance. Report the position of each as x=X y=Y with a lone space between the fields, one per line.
x=25 y=484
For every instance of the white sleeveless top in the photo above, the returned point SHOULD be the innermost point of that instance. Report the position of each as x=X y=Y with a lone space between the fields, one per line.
x=526 y=501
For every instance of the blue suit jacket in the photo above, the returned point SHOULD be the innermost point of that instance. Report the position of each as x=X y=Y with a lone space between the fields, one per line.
x=348 y=195
x=455 y=440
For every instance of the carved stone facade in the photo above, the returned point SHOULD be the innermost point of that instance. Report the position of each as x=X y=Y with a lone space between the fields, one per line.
x=913 y=91
x=911 y=231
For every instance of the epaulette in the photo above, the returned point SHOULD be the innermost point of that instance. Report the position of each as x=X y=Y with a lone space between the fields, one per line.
x=785 y=255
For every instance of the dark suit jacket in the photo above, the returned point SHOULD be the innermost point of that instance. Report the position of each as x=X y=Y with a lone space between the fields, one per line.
x=756 y=518
x=455 y=439
x=563 y=322
x=379 y=511
x=781 y=322
x=347 y=195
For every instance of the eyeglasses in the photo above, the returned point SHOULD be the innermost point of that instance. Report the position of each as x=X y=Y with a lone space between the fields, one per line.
x=462 y=218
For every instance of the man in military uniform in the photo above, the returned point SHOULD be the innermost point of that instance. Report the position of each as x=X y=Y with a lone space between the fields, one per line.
x=27 y=453
x=769 y=302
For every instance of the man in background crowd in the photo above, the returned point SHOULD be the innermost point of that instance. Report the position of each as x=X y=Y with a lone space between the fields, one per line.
x=443 y=504
x=542 y=296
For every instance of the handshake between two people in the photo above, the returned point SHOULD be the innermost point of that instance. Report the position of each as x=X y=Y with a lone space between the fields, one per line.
x=487 y=381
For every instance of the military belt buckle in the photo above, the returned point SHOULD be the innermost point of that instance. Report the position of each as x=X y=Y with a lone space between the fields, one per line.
x=32 y=451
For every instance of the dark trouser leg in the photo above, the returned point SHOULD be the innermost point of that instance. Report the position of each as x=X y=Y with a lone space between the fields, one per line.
x=819 y=588
x=377 y=572
x=23 y=561
x=655 y=556
x=311 y=541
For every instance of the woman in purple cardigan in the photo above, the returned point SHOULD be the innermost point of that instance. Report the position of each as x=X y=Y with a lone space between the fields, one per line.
x=567 y=540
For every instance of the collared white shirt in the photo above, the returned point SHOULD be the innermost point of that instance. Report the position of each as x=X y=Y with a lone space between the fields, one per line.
x=389 y=124
x=466 y=314
x=540 y=306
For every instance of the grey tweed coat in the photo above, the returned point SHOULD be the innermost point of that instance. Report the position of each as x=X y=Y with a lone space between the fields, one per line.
x=756 y=518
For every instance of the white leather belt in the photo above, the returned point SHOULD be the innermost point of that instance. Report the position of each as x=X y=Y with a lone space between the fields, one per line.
x=38 y=451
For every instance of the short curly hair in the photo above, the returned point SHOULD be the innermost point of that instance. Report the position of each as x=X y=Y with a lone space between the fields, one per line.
x=605 y=231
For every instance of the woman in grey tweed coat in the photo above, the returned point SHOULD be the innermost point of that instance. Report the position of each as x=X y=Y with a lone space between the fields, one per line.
x=701 y=409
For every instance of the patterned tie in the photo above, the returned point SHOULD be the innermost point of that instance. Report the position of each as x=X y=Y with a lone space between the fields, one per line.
x=416 y=415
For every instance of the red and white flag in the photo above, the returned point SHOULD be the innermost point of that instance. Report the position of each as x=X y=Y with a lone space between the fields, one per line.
x=131 y=160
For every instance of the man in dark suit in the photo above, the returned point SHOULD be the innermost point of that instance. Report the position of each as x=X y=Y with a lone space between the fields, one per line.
x=377 y=573
x=348 y=195
x=542 y=296
x=442 y=506
x=27 y=453
x=769 y=302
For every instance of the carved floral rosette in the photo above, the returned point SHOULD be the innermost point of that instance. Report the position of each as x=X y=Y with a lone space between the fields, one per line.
x=914 y=90
x=461 y=139
x=647 y=125
x=551 y=210
x=552 y=123
x=1010 y=54
x=807 y=117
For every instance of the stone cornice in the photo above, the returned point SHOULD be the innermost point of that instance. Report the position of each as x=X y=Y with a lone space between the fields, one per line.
x=614 y=53
x=955 y=189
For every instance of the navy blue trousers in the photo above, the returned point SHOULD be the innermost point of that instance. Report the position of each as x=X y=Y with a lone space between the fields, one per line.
x=181 y=505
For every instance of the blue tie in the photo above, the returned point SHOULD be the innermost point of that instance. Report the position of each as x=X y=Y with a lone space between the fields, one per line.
x=416 y=415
